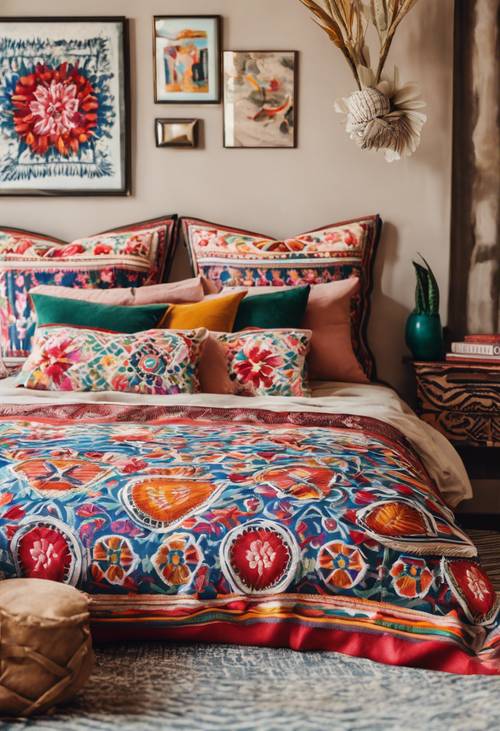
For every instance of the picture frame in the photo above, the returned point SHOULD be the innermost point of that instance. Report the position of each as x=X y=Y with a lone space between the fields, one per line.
x=260 y=99
x=177 y=132
x=195 y=75
x=71 y=76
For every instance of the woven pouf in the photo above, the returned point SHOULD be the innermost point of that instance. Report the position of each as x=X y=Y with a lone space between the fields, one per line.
x=45 y=645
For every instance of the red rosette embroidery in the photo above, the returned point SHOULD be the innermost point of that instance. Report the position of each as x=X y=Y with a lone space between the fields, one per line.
x=472 y=589
x=259 y=557
x=46 y=548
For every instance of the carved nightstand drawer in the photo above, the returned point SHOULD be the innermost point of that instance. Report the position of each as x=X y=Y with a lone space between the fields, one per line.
x=461 y=400
x=467 y=428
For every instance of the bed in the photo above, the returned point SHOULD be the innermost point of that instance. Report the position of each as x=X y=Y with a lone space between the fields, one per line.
x=314 y=523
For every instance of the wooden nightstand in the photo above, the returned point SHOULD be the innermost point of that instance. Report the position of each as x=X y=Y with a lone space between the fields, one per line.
x=462 y=401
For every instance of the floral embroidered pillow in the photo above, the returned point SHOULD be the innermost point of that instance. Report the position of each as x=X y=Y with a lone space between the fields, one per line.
x=132 y=256
x=267 y=362
x=149 y=362
x=230 y=257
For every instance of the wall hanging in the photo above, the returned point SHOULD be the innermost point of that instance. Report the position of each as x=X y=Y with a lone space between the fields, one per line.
x=187 y=59
x=177 y=132
x=382 y=114
x=64 y=106
x=260 y=98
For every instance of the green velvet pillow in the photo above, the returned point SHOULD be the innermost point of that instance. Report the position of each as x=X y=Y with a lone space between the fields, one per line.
x=63 y=311
x=274 y=310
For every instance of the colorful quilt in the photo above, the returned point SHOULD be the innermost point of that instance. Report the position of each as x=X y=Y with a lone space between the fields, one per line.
x=314 y=531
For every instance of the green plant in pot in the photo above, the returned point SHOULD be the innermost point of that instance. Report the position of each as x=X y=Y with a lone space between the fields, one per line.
x=424 y=333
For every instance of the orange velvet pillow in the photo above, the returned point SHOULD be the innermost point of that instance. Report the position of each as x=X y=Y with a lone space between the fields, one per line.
x=216 y=314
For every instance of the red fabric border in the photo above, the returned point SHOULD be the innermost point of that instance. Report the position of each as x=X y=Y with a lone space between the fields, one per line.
x=441 y=656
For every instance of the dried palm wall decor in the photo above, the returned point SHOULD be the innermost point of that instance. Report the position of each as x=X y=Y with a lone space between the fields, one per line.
x=474 y=304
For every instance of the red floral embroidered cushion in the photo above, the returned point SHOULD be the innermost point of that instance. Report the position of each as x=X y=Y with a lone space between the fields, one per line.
x=235 y=257
x=130 y=256
x=266 y=362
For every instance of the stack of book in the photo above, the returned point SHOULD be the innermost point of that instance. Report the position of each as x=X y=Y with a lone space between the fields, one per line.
x=476 y=349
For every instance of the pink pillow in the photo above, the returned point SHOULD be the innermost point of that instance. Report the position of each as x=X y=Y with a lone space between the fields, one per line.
x=328 y=315
x=188 y=290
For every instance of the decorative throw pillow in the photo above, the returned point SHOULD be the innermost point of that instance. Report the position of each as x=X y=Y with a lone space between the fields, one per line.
x=150 y=362
x=63 y=311
x=267 y=362
x=328 y=316
x=213 y=370
x=235 y=257
x=281 y=309
x=126 y=257
x=217 y=314
x=188 y=290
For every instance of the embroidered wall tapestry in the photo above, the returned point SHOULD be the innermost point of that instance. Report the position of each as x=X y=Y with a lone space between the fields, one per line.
x=64 y=106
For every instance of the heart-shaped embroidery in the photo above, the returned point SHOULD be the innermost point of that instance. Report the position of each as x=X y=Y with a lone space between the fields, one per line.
x=160 y=503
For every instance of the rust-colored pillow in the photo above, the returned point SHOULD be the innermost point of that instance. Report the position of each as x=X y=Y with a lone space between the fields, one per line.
x=45 y=645
x=216 y=314
x=213 y=370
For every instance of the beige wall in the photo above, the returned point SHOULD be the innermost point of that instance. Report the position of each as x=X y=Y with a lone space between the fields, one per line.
x=283 y=192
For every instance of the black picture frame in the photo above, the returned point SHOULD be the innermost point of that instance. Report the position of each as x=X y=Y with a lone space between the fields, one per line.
x=294 y=144
x=218 y=70
x=123 y=105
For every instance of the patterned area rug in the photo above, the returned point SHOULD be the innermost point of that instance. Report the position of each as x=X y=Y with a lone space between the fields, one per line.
x=165 y=687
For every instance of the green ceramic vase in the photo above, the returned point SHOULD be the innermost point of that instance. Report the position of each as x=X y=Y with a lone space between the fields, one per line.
x=424 y=336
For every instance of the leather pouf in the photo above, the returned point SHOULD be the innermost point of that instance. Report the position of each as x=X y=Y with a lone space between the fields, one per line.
x=45 y=645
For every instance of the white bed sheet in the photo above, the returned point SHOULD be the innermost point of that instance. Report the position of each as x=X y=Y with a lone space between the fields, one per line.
x=379 y=402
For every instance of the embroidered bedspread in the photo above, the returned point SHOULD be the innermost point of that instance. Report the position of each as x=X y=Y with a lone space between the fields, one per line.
x=308 y=530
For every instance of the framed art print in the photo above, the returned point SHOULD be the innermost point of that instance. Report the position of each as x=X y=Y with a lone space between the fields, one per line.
x=64 y=106
x=187 y=59
x=260 y=98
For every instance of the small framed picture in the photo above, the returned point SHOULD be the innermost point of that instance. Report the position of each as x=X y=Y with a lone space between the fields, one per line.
x=260 y=98
x=177 y=132
x=187 y=59
x=64 y=106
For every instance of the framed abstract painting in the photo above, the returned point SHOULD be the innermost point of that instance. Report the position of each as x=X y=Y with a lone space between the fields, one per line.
x=64 y=106
x=260 y=98
x=187 y=59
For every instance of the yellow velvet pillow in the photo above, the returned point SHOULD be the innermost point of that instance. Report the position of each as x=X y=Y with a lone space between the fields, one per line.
x=216 y=314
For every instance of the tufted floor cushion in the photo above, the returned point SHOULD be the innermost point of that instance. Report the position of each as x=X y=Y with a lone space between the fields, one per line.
x=45 y=646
